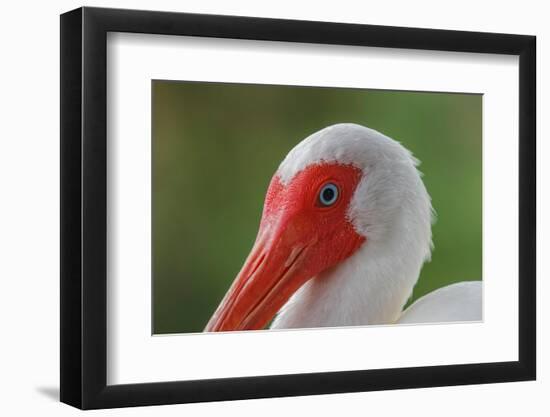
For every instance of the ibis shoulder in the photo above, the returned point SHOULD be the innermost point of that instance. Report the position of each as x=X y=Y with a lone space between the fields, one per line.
x=456 y=302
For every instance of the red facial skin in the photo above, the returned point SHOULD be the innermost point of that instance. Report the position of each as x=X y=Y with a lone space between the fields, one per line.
x=298 y=238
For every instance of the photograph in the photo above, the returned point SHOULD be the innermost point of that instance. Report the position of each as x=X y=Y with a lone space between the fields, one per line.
x=298 y=207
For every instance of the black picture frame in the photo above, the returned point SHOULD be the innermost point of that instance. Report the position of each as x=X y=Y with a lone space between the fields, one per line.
x=84 y=207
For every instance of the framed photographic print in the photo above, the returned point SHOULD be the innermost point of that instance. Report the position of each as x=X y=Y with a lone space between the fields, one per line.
x=257 y=208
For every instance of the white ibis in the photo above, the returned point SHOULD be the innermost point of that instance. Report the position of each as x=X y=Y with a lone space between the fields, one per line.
x=345 y=230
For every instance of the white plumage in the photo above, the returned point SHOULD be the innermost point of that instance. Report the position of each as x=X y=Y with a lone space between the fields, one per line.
x=455 y=302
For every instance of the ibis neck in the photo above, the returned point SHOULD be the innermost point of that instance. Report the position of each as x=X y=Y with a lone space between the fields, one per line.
x=370 y=287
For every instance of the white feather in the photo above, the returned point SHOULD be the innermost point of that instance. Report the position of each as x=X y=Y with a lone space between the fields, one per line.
x=456 y=302
x=390 y=207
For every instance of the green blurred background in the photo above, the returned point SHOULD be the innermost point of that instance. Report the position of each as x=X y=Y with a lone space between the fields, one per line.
x=216 y=146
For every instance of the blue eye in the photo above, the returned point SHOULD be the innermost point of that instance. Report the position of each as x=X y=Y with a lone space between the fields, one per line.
x=328 y=195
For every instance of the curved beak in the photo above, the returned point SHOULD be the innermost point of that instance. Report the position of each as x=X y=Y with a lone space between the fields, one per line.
x=273 y=271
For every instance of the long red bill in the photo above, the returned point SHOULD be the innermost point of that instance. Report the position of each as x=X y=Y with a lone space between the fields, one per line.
x=270 y=275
